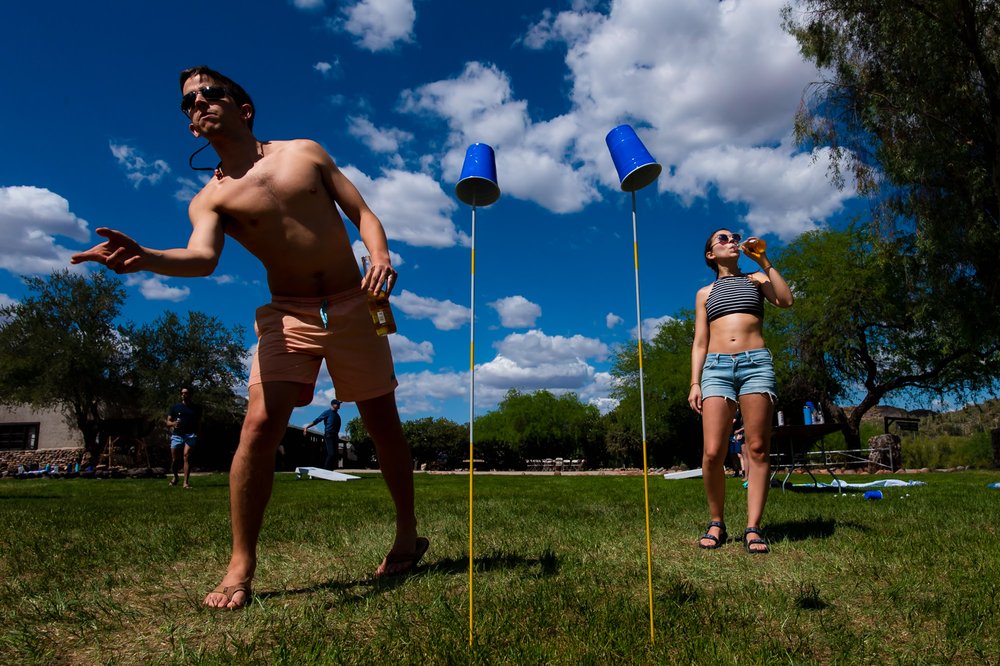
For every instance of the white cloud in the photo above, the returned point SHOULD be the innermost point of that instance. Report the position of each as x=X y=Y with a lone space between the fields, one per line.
x=516 y=312
x=308 y=4
x=412 y=207
x=30 y=219
x=189 y=188
x=6 y=300
x=137 y=169
x=378 y=25
x=535 y=347
x=445 y=315
x=711 y=88
x=223 y=279
x=533 y=160
x=405 y=350
x=650 y=327
x=504 y=373
x=155 y=288
x=377 y=140
x=323 y=68
x=613 y=320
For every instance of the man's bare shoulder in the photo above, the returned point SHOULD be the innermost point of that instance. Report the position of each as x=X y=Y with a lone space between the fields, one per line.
x=299 y=146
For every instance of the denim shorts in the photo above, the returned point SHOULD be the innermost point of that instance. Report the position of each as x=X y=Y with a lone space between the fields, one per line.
x=732 y=375
x=183 y=440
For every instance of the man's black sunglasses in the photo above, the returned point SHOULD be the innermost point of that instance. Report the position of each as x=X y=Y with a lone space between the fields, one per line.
x=210 y=93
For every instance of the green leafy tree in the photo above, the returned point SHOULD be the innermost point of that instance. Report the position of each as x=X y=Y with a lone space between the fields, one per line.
x=910 y=104
x=362 y=442
x=539 y=425
x=865 y=317
x=196 y=351
x=437 y=441
x=673 y=432
x=59 y=347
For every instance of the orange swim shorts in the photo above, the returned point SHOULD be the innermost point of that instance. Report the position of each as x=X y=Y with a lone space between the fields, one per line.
x=293 y=339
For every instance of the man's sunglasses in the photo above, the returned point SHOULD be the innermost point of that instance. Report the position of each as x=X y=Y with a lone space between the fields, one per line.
x=210 y=93
x=723 y=238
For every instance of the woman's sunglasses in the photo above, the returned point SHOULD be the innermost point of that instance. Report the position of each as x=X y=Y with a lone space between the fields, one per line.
x=210 y=93
x=721 y=238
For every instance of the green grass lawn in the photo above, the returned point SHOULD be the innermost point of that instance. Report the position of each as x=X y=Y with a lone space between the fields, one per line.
x=113 y=571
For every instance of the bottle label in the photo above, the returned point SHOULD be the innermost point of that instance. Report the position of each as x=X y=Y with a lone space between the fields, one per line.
x=381 y=317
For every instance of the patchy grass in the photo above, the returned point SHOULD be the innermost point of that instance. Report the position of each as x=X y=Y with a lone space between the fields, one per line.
x=113 y=571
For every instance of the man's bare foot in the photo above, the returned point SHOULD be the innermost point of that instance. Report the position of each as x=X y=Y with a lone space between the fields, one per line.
x=232 y=596
x=188 y=486
x=399 y=563
x=173 y=482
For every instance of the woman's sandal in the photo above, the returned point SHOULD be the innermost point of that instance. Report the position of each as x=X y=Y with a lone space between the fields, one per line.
x=761 y=541
x=718 y=540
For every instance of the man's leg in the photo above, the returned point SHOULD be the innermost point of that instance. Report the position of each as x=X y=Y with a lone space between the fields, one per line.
x=331 y=452
x=187 y=465
x=175 y=459
x=381 y=419
x=250 y=479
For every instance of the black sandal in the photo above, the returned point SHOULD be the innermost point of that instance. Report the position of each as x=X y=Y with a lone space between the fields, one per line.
x=719 y=540
x=755 y=542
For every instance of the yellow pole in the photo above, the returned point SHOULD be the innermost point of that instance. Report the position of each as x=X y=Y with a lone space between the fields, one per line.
x=472 y=403
x=642 y=407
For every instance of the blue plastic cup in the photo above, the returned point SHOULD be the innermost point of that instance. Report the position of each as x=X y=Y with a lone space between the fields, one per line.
x=873 y=494
x=636 y=167
x=478 y=183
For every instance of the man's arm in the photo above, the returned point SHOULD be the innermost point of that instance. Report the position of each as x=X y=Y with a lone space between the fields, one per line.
x=381 y=273
x=122 y=254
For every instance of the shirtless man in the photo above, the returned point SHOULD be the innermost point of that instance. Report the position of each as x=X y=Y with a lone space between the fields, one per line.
x=278 y=199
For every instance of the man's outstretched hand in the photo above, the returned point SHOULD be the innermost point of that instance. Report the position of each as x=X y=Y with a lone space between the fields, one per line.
x=119 y=253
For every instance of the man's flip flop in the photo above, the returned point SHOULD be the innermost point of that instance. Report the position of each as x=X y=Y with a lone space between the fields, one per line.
x=399 y=565
x=229 y=591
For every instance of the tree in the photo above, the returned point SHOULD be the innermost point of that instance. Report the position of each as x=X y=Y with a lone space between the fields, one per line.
x=866 y=317
x=910 y=105
x=432 y=440
x=60 y=347
x=199 y=352
x=539 y=425
x=673 y=432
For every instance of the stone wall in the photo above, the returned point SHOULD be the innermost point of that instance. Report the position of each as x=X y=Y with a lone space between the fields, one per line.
x=885 y=453
x=9 y=460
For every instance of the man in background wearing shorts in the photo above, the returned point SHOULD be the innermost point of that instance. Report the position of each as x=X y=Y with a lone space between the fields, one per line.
x=279 y=200
x=184 y=420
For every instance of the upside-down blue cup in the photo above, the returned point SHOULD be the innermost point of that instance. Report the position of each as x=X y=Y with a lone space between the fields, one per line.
x=478 y=183
x=636 y=167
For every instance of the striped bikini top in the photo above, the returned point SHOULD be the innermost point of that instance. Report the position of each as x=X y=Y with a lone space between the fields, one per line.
x=733 y=294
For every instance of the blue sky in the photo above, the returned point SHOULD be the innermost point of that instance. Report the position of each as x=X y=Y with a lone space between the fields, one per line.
x=396 y=90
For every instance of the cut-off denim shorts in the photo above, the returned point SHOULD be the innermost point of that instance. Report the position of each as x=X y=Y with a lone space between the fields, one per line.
x=732 y=375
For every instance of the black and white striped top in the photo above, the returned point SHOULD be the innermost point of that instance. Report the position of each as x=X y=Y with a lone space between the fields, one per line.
x=732 y=294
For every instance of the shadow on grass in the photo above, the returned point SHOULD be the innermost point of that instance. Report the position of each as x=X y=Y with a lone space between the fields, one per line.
x=546 y=564
x=813 y=528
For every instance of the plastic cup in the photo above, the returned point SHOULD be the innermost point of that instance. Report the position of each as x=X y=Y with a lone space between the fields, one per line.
x=636 y=167
x=478 y=185
x=873 y=494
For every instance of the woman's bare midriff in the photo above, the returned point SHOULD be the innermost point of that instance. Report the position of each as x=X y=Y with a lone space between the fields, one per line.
x=735 y=333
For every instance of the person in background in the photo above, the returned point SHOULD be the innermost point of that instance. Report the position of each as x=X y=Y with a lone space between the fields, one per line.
x=184 y=421
x=731 y=367
x=331 y=432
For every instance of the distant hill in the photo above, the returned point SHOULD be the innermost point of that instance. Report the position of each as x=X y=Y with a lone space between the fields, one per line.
x=961 y=422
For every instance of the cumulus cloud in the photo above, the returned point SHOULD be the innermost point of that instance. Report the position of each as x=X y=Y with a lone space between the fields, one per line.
x=650 y=327
x=710 y=87
x=377 y=25
x=405 y=350
x=413 y=207
x=137 y=169
x=377 y=140
x=535 y=347
x=30 y=220
x=613 y=320
x=445 y=315
x=155 y=288
x=534 y=158
x=516 y=312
